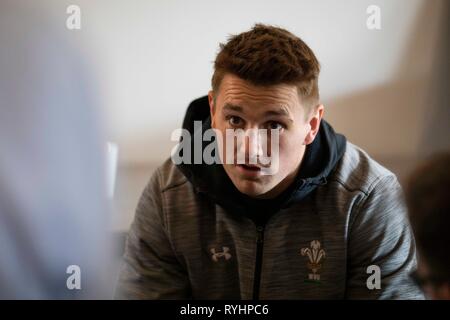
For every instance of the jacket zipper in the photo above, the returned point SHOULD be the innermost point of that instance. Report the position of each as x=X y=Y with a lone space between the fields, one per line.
x=258 y=262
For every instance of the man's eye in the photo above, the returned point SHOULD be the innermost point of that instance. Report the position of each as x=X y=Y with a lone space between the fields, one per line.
x=235 y=121
x=273 y=125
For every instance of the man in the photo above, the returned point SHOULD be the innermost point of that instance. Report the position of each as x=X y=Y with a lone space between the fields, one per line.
x=428 y=198
x=310 y=230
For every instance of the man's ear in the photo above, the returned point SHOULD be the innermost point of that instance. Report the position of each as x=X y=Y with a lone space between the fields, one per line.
x=314 y=123
x=212 y=107
x=211 y=102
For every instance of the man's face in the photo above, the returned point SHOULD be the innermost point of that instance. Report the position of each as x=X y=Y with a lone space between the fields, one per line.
x=240 y=105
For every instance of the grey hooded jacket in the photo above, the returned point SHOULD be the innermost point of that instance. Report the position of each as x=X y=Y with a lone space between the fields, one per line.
x=333 y=242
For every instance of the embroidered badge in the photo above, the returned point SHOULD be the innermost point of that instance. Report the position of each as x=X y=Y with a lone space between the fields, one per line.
x=315 y=256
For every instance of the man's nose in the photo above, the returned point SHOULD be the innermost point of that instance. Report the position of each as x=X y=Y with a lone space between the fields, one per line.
x=252 y=145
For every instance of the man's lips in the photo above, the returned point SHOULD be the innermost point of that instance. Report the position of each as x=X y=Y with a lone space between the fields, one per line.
x=248 y=170
x=251 y=167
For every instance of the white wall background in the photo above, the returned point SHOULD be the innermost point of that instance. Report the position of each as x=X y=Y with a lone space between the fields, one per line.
x=153 y=57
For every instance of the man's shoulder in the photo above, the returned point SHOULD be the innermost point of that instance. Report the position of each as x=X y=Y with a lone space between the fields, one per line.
x=358 y=171
x=168 y=176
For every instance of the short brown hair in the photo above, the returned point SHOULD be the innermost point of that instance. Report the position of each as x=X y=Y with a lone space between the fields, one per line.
x=268 y=55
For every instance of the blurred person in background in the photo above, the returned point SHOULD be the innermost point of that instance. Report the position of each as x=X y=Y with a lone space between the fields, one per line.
x=428 y=198
x=53 y=209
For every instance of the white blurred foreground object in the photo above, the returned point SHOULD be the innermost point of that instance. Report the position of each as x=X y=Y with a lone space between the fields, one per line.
x=112 y=152
x=53 y=211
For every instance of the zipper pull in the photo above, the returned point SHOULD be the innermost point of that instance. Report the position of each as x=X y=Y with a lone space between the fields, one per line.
x=259 y=234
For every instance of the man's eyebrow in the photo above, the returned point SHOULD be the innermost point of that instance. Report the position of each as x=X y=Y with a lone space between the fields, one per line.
x=279 y=112
x=233 y=107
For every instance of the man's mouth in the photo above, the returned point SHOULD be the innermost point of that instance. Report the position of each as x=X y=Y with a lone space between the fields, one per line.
x=250 y=167
x=249 y=170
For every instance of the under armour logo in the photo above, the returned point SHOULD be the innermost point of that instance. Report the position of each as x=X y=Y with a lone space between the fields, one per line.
x=225 y=253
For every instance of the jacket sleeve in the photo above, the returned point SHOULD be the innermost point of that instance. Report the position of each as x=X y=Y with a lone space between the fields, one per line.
x=380 y=235
x=150 y=268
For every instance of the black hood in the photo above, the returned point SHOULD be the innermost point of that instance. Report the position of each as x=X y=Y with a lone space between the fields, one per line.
x=211 y=181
